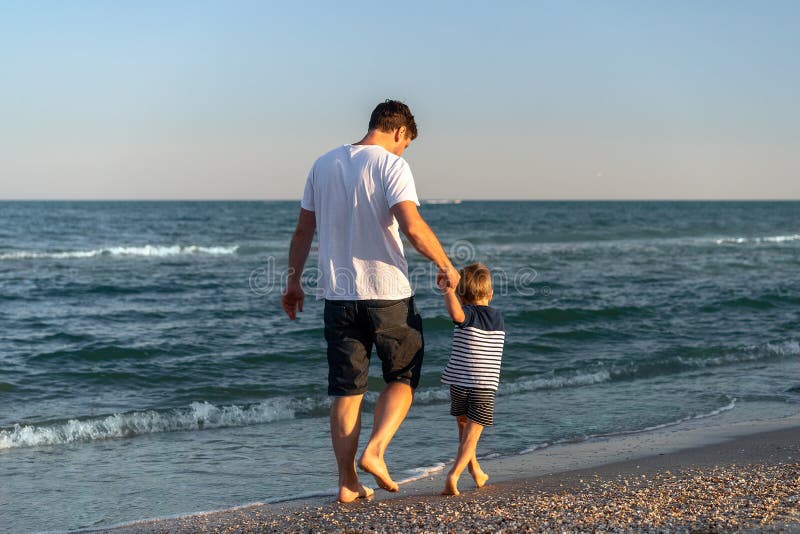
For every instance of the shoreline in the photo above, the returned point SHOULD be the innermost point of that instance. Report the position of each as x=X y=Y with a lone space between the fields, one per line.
x=728 y=447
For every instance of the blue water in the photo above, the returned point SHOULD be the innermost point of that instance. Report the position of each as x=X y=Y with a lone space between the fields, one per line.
x=146 y=368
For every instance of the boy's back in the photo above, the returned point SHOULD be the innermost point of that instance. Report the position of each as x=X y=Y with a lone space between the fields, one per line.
x=477 y=349
x=473 y=371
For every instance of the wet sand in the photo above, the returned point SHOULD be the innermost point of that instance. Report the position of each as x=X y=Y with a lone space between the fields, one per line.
x=747 y=481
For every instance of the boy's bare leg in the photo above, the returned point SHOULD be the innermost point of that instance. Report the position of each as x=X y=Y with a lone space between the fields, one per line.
x=345 y=428
x=466 y=451
x=390 y=410
x=478 y=474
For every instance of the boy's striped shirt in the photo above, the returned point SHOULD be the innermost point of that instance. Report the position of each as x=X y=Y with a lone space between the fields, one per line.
x=477 y=349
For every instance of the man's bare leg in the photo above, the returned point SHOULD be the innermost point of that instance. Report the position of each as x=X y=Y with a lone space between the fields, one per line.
x=345 y=428
x=466 y=451
x=478 y=475
x=390 y=410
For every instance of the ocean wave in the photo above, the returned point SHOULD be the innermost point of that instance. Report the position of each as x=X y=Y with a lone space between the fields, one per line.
x=752 y=353
x=760 y=302
x=713 y=413
x=431 y=395
x=525 y=245
x=96 y=354
x=565 y=315
x=198 y=416
x=204 y=415
x=768 y=239
x=687 y=359
x=418 y=473
x=155 y=251
x=442 y=201
x=555 y=382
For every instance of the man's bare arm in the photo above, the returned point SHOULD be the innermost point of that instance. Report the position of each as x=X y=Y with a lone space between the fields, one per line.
x=293 y=295
x=423 y=239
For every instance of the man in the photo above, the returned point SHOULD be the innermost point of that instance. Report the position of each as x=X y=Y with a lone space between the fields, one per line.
x=357 y=197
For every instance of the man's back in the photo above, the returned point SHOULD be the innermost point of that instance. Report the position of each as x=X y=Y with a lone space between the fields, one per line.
x=351 y=190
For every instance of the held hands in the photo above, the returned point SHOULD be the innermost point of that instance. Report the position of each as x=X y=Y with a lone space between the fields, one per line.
x=447 y=278
x=292 y=299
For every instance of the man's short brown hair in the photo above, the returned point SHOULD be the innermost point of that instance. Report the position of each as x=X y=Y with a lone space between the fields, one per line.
x=475 y=283
x=391 y=115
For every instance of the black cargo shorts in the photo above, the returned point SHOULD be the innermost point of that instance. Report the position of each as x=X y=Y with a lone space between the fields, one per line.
x=352 y=327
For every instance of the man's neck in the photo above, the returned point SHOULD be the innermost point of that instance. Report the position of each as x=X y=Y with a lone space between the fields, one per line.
x=385 y=140
x=376 y=138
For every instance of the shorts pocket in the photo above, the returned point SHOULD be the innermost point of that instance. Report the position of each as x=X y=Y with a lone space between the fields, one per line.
x=389 y=317
x=337 y=315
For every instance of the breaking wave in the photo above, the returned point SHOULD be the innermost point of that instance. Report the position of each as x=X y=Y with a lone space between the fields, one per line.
x=769 y=239
x=156 y=251
x=687 y=359
x=198 y=416
x=204 y=415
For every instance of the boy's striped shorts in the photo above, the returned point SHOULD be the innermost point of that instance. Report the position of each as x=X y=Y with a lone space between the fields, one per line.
x=476 y=404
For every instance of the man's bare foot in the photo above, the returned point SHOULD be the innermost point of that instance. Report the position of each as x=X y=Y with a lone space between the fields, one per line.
x=451 y=486
x=480 y=478
x=376 y=467
x=348 y=495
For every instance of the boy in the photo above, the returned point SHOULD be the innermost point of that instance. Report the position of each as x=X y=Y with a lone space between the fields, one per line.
x=473 y=371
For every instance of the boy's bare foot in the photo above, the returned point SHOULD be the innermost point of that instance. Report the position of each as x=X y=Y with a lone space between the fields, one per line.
x=348 y=495
x=376 y=467
x=480 y=478
x=451 y=486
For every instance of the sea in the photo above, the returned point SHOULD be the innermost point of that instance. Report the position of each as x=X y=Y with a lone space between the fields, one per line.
x=147 y=369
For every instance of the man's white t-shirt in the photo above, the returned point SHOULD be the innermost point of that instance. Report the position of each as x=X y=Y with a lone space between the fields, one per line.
x=351 y=189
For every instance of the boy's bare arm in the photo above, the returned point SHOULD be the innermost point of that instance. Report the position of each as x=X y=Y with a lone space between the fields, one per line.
x=453 y=306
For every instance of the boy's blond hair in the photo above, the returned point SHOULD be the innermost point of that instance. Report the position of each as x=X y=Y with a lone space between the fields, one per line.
x=475 y=283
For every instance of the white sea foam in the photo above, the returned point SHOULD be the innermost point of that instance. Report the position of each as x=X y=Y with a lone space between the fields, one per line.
x=752 y=353
x=556 y=382
x=204 y=415
x=442 y=201
x=785 y=348
x=536 y=447
x=431 y=395
x=419 y=473
x=768 y=239
x=156 y=251
x=198 y=416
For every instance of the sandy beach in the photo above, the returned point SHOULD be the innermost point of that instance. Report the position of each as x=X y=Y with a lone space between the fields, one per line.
x=729 y=475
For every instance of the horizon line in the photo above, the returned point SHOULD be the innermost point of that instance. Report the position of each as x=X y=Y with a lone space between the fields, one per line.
x=422 y=200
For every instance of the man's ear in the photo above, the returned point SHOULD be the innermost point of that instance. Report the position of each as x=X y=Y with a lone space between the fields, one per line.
x=399 y=134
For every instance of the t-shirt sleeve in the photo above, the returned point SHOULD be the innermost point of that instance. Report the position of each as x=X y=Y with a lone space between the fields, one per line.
x=399 y=184
x=501 y=324
x=469 y=315
x=308 y=194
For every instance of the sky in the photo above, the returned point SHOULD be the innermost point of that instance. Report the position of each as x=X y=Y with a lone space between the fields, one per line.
x=513 y=100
